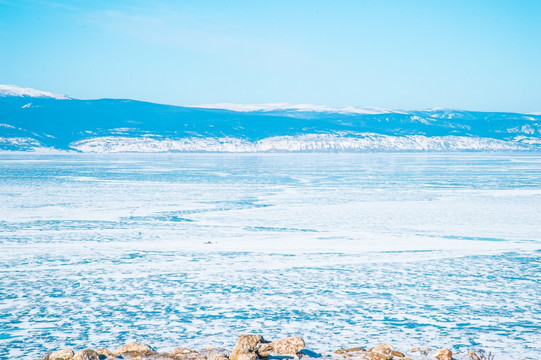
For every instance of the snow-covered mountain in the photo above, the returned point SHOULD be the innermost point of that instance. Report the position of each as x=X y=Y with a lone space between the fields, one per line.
x=35 y=120
x=12 y=90
x=284 y=107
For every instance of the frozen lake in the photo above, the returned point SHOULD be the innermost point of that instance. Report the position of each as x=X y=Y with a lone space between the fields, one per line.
x=340 y=249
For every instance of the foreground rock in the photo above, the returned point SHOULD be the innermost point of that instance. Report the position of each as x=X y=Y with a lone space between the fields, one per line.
x=378 y=352
x=255 y=347
x=181 y=352
x=65 y=354
x=86 y=354
x=423 y=351
x=290 y=346
x=444 y=354
x=349 y=352
x=102 y=352
x=246 y=347
x=386 y=350
x=134 y=348
x=210 y=353
x=251 y=347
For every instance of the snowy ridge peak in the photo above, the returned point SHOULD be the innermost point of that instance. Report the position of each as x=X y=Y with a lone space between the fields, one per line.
x=12 y=90
x=295 y=107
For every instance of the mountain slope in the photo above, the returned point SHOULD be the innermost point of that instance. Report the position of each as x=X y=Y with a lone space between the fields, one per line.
x=33 y=119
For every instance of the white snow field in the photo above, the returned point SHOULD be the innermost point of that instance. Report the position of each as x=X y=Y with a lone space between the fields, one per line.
x=360 y=142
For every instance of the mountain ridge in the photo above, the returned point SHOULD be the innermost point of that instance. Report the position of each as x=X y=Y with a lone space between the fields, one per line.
x=33 y=119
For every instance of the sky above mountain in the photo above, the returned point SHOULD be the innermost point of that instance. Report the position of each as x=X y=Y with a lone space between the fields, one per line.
x=478 y=55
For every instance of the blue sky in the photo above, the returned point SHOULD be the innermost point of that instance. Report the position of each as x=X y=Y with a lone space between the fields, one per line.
x=478 y=55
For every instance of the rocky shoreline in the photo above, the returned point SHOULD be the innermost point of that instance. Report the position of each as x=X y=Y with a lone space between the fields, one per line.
x=255 y=347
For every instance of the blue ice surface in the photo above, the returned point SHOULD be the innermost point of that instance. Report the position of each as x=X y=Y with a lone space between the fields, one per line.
x=340 y=249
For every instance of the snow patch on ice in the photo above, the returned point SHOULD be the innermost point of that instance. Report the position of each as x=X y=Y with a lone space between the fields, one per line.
x=19 y=141
x=10 y=144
